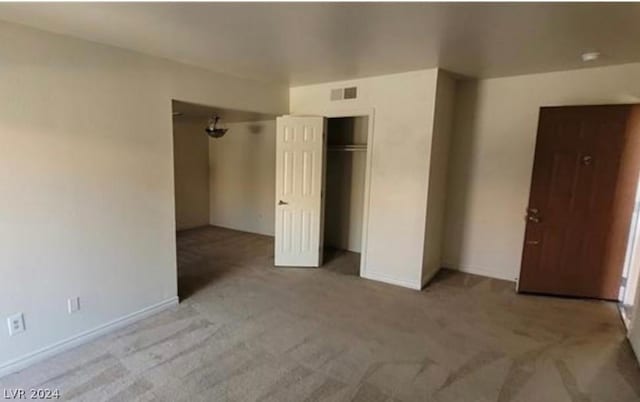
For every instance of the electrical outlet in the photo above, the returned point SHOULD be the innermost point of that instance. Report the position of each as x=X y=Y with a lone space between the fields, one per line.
x=16 y=324
x=73 y=305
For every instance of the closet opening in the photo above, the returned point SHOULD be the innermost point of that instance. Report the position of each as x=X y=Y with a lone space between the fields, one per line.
x=344 y=194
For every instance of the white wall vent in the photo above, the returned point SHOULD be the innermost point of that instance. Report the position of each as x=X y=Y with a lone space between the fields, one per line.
x=351 y=92
x=344 y=93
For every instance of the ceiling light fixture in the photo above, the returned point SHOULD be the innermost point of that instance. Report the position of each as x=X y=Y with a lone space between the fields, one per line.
x=590 y=56
x=212 y=128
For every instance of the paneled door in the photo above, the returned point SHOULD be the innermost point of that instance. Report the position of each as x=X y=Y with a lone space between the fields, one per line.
x=300 y=158
x=583 y=187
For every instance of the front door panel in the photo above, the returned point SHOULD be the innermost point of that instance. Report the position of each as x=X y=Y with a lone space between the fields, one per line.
x=581 y=201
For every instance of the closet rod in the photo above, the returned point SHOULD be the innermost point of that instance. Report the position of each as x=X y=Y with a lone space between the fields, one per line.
x=348 y=148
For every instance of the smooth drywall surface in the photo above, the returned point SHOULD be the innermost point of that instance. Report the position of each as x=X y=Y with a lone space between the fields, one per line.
x=492 y=158
x=191 y=172
x=242 y=172
x=403 y=121
x=344 y=184
x=86 y=172
x=438 y=166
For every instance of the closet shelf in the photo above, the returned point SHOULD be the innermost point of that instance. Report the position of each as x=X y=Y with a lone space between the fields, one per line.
x=348 y=148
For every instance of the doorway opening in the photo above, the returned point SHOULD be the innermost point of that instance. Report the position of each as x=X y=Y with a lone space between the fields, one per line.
x=323 y=168
x=344 y=192
x=224 y=188
x=631 y=271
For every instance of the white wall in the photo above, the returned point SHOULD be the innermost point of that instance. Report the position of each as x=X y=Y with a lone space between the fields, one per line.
x=344 y=185
x=403 y=105
x=438 y=167
x=634 y=328
x=492 y=158
x=242 y=169
x=86 y=176
x=191 y=172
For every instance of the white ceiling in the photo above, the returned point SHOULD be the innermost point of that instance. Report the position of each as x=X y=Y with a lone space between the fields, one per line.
x=300 y=43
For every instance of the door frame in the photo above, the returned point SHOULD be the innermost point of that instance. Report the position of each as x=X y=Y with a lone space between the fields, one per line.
x=369 y=113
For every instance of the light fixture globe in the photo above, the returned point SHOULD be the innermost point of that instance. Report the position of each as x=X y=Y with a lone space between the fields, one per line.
x=213 y=130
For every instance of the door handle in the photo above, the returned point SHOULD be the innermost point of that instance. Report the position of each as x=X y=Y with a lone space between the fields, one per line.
x=282 y=203
x=533 y=219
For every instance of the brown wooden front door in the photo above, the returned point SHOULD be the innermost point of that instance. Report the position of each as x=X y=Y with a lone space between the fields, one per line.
x=582 y=197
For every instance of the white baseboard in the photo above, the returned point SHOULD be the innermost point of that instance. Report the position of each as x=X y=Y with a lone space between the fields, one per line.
x=48 y=351
x=185 y=229
x=635 y=349
x=374 y=276
x=482 y=272
x=626 y=319
x=426 y=279
x=269 y=233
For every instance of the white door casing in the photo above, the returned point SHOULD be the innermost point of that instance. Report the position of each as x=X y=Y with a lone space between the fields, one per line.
x=300 y=159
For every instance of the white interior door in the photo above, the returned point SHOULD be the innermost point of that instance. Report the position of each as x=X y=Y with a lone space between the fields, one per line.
x=300 y=155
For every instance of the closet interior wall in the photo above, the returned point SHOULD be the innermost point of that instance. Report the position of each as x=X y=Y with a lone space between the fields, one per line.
x=345 y=182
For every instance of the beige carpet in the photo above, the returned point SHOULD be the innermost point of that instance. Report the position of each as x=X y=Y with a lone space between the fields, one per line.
x=247 y=331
